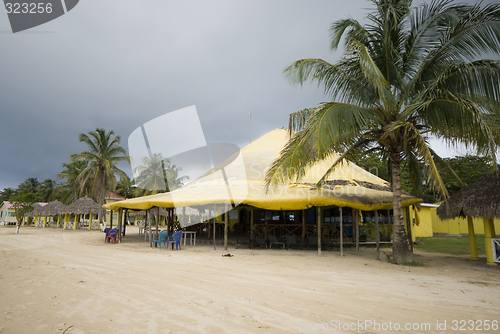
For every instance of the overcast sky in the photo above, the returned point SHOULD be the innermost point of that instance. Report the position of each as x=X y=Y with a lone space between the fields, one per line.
x=117 y=64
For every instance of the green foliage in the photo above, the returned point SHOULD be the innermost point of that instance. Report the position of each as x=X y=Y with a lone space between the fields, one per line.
x=22 y=204
x=156 y=175
x=468 y=168
x=407 y=74
x=102 y=156
x=126 y=187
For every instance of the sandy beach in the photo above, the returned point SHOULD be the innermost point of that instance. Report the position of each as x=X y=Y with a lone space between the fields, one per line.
x=55 y=281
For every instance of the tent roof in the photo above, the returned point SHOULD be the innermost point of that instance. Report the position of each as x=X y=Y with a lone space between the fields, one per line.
x=480 y=198
x=349 y=185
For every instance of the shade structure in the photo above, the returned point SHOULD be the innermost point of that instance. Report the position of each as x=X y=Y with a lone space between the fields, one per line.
x=83 y=205
x=241 y=180
x=53 y=208
x=37 y=210
x=480 y=198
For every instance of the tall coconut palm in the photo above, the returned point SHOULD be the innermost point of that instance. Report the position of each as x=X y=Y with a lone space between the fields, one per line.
x=406 y=74
x=71 y=189
x=156 y=175
x=125 y=186
x=103 y=154
x=46 y=189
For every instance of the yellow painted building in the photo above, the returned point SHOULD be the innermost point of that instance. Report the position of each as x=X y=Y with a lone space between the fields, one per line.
x=429 y=223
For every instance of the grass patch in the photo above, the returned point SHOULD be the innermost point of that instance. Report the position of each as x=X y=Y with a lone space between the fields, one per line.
x=414 y=264
x=453 y=245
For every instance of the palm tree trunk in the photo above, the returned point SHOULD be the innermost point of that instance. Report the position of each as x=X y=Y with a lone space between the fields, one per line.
x=401 y=250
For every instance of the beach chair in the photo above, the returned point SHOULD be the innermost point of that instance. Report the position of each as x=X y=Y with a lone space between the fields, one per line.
x=162 y=237
x=257 y=242
x=291 y=241
x=274 y=241
x=111 y=235
x=175 y=239
x=312 y=242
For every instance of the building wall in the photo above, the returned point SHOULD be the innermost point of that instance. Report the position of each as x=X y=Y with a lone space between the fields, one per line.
x=430 y=223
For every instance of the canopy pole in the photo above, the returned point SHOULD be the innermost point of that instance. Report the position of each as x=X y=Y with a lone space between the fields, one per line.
x=148 y=215
x=341 y=235
x=111 y=219
x=58 y=220
x=90 y=221
x=226 y=222
x=303 y=226
x=213 y=232
x=377 y=232
x=157 y=219
x=251 y=227
x=319 y=230
x=389 y=225
x=472 y=239
x=408 y=227
x=44 y=221
x=357 y=230
x=120 y=217
x=77 y=218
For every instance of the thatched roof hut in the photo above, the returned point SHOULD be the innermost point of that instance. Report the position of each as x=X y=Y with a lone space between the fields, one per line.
x=83 y=205
x=53 y=208
x=480 y=198
x=37 y=210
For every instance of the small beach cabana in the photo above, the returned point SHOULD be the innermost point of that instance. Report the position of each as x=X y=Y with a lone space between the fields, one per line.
x=82 y=206
x=240 y=181
x=480 y=198
x=53 y=208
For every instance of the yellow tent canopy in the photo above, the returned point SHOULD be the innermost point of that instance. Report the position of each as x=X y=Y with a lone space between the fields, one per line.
x=241 y=180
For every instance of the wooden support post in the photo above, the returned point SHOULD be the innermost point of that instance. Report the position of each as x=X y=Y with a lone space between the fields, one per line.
x=44 y=221
x=389 y=225
x=377 y=232
x=355 y=224
x=120 y=217
x=408 y=227
x=251 y=226
x=341 y=235
x=77 y=218
x=489 y=233
x=58 y=220
x=472 y=239
x=226 y=225
x=213 y=232
x=157 y=220
x=111 y=219
x=319 y=229
x=303 y=227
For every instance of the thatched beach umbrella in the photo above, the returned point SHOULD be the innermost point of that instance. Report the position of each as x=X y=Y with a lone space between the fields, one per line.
x=54 y=208
x=480 y=198
x=37 y=211
x=83 y=206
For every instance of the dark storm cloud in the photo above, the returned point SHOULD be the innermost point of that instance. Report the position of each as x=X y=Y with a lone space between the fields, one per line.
x=118 y=64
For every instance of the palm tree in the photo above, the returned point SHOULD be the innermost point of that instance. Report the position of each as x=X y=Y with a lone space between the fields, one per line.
x=46 y=189
x=405 y=75
x=6 y=194
x=71 y=188
x=156 y=175
x=30 y=185
x=125 y=186
x=103 y=154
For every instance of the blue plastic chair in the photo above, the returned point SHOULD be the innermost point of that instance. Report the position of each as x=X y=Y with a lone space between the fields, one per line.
x=111 y=235
x=176 y=239
x=162 y=237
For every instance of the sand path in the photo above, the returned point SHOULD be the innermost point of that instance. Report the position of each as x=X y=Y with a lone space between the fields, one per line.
x=54 y=280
